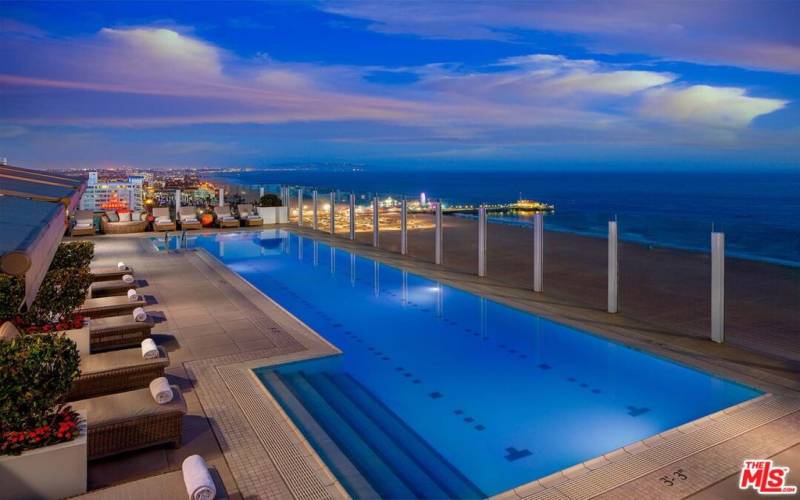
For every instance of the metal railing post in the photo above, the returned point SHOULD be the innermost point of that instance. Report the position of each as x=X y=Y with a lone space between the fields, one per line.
x=314 y=215
x=482 y=241
x=352 y=216
x=333 y=213
x=437 y=257
x=613 y=267
x=376 y=231
x=403 y=226
x=300 y=207
x=718 y=287
x=538 y=251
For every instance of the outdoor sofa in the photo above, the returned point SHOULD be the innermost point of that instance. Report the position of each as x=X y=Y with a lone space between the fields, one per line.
x=113 y=222
x=84 y=223
x=248 y=216
x=224 y=217
x=187 y=217
x=163 y=220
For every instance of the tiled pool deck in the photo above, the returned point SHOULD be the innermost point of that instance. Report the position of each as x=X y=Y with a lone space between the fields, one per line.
x=217 y=327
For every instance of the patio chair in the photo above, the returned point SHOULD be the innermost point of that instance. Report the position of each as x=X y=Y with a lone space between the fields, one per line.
x=224 y=217
x=110 y=288
x=163 y=220
x=84 y=223
x=104 y=307
x=187 y=216
x=117 y=423
x=116 y=371
x=115 y=332
x=248 y=216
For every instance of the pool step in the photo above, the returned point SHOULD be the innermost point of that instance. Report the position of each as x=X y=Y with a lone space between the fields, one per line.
x=447 y=476
x=380 y=476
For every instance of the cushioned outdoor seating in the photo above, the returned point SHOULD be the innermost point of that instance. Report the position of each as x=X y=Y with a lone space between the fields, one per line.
x=187 y=216
x=109 y=273
x=115 y=332
x=163 y=220
x=131 y=420
x=248 y=215
x=84 y=223
x=136 y=224
x=109 y=306
x=116 y=371
x=110 y=288
x=225 y=218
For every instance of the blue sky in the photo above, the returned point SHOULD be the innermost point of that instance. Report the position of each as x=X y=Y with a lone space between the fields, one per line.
x=401 y=84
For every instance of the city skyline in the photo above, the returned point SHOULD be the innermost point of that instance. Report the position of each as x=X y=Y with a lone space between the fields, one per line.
x=401 y=85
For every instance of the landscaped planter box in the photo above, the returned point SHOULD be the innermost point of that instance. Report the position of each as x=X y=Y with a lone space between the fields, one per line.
x=274 y=215
x=55 y=471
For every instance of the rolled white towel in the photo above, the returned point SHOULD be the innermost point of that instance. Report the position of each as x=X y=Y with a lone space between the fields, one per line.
x=199 y=484
x=149 y=349
x=139 y=314
x=133 y=294
x=128 y=278
x=121 y=266
x=161 y=391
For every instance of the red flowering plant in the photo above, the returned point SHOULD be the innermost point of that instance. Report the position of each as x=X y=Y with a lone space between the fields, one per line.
x=37 y=373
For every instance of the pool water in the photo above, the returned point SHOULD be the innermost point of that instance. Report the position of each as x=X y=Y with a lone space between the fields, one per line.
x=442 y=393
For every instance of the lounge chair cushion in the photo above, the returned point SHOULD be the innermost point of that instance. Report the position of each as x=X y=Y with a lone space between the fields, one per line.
x=121 y=322
x=115 y=408
x=8 y=331
x=112 y=215
x=124 y=358
x=124 y=216
x=83 y=225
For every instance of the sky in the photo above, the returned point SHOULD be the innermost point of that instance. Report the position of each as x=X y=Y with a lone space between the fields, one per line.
x=401 y=84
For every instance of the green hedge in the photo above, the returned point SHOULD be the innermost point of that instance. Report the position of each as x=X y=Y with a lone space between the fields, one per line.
x=62 y=291
x=12 y=293
x=73 y=254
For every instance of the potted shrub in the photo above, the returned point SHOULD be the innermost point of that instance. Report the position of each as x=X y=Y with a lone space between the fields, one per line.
x=76 y=254
x=42 y=441
x=270 y=209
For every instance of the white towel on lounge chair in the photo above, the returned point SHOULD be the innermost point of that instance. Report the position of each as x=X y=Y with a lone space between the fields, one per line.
x=199 y=483
x=128 y=278
x=121 y=266
x=149 y=349
x=161 y=391
x=133 y=294
x=139 y=314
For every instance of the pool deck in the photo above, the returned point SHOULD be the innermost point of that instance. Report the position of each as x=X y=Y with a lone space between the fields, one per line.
x=216 y=327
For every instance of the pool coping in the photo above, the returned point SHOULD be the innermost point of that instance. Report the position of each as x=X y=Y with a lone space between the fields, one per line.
x=628 y=458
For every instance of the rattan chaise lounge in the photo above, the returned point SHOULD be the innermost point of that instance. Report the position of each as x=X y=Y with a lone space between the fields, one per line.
x=116 y=371
x=115 y=332
x=187 y=217
x=110 y=273
x=110 y=288
x=224 y=217
x=248 y=216
x=163 y=220
x=104 y=307
x=131 y=420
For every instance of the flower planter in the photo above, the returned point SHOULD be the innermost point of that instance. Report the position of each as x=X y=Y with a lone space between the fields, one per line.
x=55 y=471
x=274 y=215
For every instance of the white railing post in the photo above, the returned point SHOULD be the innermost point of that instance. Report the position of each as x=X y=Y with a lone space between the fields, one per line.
x=260 y=192
x=613 y=267
x=437 y=255
x=177 y=204
x=222 y=197
x=300 y=207
x=376 y=231
x=333 y=213
x=314 y=215
x=482 y=241
x=717 y=287
x=404 y=226
x=352 y=216
x=538 y=252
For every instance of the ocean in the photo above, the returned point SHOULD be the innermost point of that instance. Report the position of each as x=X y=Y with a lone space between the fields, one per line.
x=759 y=211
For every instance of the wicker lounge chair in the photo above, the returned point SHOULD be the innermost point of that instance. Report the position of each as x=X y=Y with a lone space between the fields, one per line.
x=131 y=420
x=188 y=218
x=109 y=273
x=104 y=307
x=116 y=371
x=163 y=220
x=109 y=288
x=224 y=217
x=137 y=225
x=248 y=216
x=116 y=332
x=84 y=223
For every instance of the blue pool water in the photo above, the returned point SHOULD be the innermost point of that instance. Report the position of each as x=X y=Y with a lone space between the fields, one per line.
x=440 y=392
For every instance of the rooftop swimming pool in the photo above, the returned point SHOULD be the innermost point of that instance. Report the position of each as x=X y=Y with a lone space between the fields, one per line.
x=442 y=393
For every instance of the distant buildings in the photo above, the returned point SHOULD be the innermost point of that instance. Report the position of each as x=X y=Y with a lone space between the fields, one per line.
x=113 y=195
